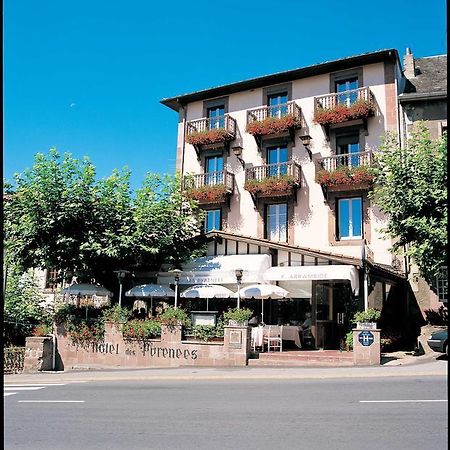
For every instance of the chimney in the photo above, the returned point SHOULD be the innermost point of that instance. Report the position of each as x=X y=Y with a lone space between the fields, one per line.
x=409 y=69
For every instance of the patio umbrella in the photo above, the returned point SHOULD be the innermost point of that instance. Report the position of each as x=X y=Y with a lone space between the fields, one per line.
x=263 y=292
x=88 y=290
x=152 y=291
x=207 y=291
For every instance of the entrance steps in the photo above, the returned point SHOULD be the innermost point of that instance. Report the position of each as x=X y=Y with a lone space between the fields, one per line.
x=302 y=358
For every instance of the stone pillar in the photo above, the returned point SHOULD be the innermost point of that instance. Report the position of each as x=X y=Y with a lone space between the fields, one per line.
x=237 y=344
x=38 y=354
x=366 y=347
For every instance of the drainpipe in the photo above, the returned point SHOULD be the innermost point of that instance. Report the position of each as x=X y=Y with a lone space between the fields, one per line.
x=366 y=276
x=183 y=145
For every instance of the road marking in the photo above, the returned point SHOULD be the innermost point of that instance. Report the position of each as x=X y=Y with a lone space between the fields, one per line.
x=40 y=384
x=50 y=401
x=23 y=388
x=401 y=401
x=5 y=394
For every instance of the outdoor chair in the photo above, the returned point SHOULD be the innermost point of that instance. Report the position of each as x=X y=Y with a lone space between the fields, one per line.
x=273 y=337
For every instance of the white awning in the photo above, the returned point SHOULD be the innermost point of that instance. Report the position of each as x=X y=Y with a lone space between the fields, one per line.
x=220 y=270
x=333 y=272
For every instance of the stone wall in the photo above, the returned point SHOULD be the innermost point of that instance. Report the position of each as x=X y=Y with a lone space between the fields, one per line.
x=168 y=351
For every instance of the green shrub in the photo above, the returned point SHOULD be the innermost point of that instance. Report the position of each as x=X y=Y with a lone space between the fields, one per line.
x=371 y=315
x=174 y=316
x=141 y=329
x=116 y=314
x=349 y=340
x=237 y=314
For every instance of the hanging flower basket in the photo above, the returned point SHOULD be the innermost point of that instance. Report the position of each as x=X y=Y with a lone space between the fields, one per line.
x=274 y=186
x=346 y=176
x=361 y=109
x=273 y=125
x=209 y=137
x=208 y=194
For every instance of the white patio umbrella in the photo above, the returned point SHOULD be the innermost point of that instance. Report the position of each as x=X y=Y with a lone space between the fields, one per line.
x=152 y=291
x=207 y=291
x=263 y=292
x=89 y=290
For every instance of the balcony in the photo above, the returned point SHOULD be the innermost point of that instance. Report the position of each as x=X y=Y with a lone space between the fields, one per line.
x=273 y=180
x=350 y=171
x=337 y=109
x=211 y=132
x=210 y=187
x=274 y=120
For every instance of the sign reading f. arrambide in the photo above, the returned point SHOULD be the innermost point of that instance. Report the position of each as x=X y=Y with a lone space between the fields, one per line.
x=365 y=338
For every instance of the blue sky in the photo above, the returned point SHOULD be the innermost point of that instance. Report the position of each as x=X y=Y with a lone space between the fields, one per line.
x=86 y=77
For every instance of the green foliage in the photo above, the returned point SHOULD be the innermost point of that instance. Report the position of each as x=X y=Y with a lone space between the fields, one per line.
x=349 y=340
x=116 y=314
x=204 y=332
x=23 y=308
x=237 y=314
x=141 y=329
x=42 y=330
x=411 y=189
x=371 y=315
x=57 y=215
x=174 y=316
x=84 y=332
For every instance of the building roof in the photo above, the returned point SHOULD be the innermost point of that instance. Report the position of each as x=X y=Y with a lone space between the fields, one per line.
x=177 y=102
x=430 y=79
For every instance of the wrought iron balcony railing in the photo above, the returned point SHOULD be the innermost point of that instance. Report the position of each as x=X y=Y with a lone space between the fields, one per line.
x=275 y=111
x=225 y=122
x=222 y=177
x=349 y=160
x=346 y=98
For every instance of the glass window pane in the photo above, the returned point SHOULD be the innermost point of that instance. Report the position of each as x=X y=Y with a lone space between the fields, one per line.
x=344 y=219
x=213 y=220
x=356 y=210
x=277 y=222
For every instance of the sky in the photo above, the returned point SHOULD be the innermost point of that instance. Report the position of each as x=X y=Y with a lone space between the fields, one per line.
x=87 y=77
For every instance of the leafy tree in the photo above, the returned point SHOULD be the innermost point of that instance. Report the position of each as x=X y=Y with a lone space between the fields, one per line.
x=411 y=189
x=57 y=215
x=24 y=308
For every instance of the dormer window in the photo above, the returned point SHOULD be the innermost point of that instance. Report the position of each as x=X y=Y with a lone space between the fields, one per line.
x=277 y=104
x=216 y=116
x=348 y=87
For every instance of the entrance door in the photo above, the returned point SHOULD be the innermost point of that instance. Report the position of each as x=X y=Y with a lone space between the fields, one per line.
x=333 y=307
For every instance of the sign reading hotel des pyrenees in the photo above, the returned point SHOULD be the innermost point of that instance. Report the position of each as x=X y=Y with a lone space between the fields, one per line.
x=146 y=349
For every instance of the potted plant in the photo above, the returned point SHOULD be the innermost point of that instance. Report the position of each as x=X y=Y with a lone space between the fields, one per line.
x=209 y=136
x=237 y=316
x=273 y=125
x=213 y=193
x=361 y=109
x=275 y=185
x=172 y=317
x=141 y=329
x=367 y=320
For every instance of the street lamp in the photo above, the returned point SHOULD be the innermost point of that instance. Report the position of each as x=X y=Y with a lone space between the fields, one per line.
x=176 y=274
x=239 y=273
x=121 y=274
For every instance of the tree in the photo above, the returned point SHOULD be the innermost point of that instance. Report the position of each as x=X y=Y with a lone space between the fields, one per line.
x=411 y=189
x=57 y=215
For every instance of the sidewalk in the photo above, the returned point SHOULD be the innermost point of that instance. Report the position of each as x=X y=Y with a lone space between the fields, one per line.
x=403 y=366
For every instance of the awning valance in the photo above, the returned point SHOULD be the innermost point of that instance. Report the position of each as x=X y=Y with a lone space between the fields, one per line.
x=220 y=270
x=329 y=272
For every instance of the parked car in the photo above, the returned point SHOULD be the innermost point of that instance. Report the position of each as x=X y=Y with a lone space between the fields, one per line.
x=438 y=341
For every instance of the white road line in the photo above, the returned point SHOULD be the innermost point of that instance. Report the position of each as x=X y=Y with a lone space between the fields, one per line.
x=50 y=401
x=40 y=384
x=5 y=394
x=23 y=388
x=401 y=401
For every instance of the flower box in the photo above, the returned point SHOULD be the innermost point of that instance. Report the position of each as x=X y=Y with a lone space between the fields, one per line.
x=209 y=194
x=361 y=109
x=209 y=137
x=271 y=186
x=355 y=177
x=273 y=125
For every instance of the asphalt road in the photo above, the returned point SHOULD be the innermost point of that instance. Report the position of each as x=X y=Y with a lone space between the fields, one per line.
x=229 y=414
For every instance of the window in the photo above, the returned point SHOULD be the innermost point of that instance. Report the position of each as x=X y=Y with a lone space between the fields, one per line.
x=442 y=285
x=276 y=156
x=348 y=145
x=214 y=170
x=213 y=220
x=345 y=85
x=277 y=104
x=276 y=222
x=216 y=116
x=50 y=282
x=349 y=211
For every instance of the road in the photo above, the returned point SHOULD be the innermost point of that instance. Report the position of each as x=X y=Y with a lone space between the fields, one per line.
x=373 y=413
